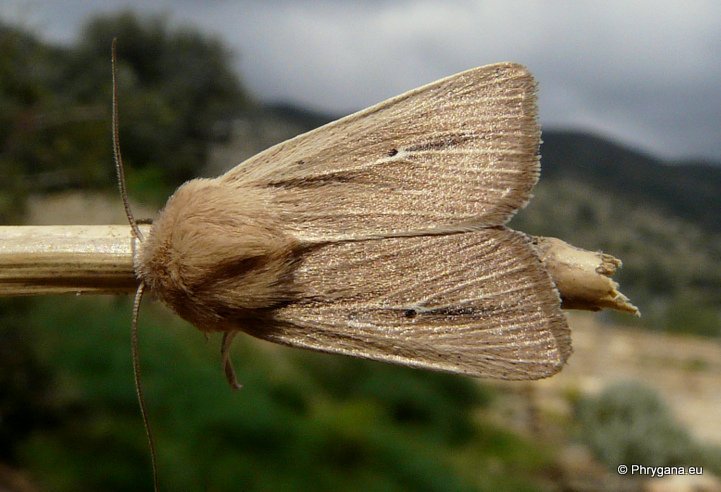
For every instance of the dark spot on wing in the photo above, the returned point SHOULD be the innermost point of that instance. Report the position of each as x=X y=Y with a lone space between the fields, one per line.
x=410 y=313
x=345 y=176
x=440 y=143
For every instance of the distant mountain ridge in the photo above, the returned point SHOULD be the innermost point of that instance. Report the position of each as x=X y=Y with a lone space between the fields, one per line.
x=691 y=191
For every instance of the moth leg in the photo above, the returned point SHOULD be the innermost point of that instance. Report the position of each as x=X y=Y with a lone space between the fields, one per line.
x=228 y=337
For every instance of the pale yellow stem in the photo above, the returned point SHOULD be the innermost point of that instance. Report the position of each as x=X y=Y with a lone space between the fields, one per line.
x=66 y=259
x=38 y=260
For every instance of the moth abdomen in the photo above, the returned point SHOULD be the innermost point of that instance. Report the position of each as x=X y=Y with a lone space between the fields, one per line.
x=216 y=254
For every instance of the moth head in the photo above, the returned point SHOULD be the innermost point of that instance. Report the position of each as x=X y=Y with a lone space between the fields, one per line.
x=215 y=254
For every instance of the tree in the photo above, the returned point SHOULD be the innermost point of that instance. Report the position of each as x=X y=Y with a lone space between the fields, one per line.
x=175 y=86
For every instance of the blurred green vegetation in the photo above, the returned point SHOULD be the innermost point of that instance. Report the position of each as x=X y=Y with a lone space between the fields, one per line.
x=175 y=85
x=303 y=421
x=629 y=423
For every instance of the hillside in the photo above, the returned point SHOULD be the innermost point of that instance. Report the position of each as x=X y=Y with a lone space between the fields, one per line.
x=688 y=190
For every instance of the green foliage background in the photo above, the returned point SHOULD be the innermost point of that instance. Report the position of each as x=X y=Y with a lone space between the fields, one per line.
x=175 y=85
x=303 y=421
x=629 y=423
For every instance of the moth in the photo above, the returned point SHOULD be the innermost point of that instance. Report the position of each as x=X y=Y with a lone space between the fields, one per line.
x=381 y=235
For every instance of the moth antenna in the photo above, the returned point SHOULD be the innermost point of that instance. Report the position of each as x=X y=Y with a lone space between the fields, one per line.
x=138 y=384
x=119 y=168
x=228 y=337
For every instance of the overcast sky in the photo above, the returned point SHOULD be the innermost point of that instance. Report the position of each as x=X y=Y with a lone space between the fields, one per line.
x=647 y=73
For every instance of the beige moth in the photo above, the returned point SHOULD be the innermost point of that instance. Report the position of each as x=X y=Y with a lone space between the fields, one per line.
x=381 y=235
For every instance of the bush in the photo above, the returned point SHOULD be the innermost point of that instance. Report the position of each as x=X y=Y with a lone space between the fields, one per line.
x=629 y=423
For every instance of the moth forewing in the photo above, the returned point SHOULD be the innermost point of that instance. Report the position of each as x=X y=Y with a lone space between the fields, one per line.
x=455 y=154
x=477 y=303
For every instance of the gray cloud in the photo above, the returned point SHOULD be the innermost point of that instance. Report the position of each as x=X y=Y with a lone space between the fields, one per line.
x=646 y=72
